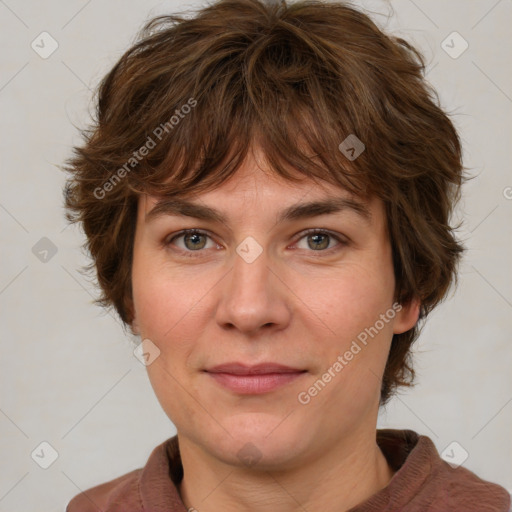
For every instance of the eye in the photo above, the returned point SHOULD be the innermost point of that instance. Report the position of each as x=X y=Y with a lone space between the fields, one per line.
x=195 y=240
x=318 y=240
x=191 y=240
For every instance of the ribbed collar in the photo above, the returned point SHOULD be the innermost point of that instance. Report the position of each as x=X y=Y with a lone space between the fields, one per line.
x=422 y=481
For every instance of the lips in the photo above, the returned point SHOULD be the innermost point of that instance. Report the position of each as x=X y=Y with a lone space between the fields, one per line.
x=253 y=379
x=259 y=369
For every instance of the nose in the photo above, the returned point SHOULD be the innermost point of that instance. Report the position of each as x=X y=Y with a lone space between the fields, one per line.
x=253 y=295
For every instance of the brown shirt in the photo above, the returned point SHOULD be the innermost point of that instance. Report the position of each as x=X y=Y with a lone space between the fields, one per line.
x=423 y=482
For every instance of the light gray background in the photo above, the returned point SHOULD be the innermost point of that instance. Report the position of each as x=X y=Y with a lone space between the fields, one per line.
x=68 y=375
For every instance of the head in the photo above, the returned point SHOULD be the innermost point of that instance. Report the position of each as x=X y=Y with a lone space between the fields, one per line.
x=283 y=104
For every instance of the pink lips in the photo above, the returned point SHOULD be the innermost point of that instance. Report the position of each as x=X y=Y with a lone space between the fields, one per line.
x=256 y=379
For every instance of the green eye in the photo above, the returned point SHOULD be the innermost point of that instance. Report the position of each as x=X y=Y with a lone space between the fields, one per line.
x=195 y=241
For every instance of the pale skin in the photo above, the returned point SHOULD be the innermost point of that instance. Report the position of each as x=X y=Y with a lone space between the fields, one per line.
x=295 y=304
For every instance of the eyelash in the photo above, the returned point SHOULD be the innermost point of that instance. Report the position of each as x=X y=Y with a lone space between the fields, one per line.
x=313 y=231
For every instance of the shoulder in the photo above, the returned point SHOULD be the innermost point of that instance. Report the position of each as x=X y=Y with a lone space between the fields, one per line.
x=142 y=489
x=458 y=488
x=118 y=493
x=426 y=481
x=462 y=488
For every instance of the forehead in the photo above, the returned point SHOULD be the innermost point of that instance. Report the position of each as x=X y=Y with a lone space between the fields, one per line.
x=288 y=202
x=254 y=190
x=254 y=181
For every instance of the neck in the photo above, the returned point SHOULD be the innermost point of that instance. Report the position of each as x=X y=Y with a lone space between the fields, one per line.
x=336 y=480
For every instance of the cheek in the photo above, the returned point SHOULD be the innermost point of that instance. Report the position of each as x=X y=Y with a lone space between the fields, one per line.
x=156 y=308
x=170 y=304
x=168 y=312
x=353 y=299
x=352 y=311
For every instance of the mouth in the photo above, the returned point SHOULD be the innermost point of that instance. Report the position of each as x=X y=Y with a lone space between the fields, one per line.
x=256 y=379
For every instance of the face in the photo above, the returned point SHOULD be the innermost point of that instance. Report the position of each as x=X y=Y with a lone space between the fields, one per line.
x=272 y=330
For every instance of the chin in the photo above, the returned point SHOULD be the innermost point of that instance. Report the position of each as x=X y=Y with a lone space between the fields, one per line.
x=259 y=441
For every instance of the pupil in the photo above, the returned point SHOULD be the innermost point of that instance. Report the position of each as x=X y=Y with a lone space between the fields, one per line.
x=195 y=237
x=316 y=239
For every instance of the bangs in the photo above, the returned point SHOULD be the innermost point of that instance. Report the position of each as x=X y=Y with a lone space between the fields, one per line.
x=280 y=94
x=199 y=160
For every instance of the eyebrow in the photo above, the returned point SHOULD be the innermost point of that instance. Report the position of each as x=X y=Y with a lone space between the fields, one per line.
x=182 y=207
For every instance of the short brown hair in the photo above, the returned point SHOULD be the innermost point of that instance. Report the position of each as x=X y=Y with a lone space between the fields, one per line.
x=297 y=80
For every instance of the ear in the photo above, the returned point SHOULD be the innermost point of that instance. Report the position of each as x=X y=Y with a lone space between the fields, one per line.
x=407 y=317
x=131 y=315
x=134 y=326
